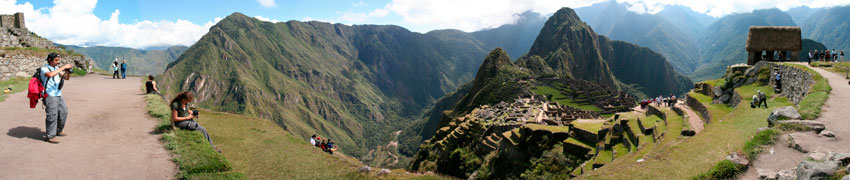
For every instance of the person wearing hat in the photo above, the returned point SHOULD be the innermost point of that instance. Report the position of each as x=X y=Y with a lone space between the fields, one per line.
x=115 y=69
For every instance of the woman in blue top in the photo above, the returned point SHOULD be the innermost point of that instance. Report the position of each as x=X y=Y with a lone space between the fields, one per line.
x=124 y=69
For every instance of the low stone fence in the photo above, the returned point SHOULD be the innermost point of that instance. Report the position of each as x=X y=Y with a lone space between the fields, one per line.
x=24 y=64
x=795 y=81
x=698 y=107
x=584 y=135
x=652 y=110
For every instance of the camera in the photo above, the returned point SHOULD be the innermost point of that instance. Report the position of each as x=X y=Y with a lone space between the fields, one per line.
x=194 y=112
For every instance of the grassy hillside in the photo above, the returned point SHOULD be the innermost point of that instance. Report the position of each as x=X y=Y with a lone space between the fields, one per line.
x=253 y=148
x=139 y=62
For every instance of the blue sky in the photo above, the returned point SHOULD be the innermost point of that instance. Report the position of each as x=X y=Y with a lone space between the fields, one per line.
x=131 y=23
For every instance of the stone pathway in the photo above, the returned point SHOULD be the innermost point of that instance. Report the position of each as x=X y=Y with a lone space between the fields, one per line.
x=109 y=135
x=833 y=114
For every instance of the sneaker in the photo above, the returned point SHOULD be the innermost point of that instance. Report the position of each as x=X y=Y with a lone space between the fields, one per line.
x=52 y=140
x=61 y=134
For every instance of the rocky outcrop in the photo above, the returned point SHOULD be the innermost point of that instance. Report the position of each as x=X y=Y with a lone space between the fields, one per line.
x=795 y=81
x=808 y=124
x=785 y=113
x=822 y=166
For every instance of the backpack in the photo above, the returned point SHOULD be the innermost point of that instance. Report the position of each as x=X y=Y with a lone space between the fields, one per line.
x=36 y=89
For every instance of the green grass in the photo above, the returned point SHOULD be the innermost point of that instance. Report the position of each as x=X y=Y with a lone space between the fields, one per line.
x=650 y=121
x=548 y=128
x=559 y=97
x=593 y=127
x=810 y=106
x=729 y=131
x=753 y=147
x=725 y=169
x=194 y=156
x=17 y=84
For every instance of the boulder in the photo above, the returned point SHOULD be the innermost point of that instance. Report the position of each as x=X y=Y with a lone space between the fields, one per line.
x=739 y=159
x=788 y=174
x=817 y=156
x=765 y=174
x=847 y=177
x=383 y=172
x=815 y=170
x=365 y=169
x=827 y=133
x=787 y=112
x=813 y=125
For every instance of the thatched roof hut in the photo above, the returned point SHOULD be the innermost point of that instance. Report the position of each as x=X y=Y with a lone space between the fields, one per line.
x=774 y=38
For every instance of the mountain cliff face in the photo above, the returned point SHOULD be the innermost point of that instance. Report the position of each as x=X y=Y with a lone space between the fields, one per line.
x=352 y=84
x=571 y=49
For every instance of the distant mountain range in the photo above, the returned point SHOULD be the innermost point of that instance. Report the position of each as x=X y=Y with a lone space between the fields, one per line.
x=358 y=84
x=139 y=62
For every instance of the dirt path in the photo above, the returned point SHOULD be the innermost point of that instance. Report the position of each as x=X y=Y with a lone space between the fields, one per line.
x=693 y=119
x=109 y=135
x=833 y=114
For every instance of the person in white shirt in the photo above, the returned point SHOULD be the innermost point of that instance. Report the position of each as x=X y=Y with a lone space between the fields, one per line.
x=313 y=140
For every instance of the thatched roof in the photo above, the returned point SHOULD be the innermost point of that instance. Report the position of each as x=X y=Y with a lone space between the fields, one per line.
x=774 y=38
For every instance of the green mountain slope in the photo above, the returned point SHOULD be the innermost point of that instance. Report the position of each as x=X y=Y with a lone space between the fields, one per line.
x=355 y=84
x=723 y=43
x=831 y=26
x=139 y=62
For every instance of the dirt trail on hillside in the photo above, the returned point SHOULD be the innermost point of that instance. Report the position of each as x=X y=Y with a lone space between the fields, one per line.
x=109 y=135
x=693 y=119
x=833 y=114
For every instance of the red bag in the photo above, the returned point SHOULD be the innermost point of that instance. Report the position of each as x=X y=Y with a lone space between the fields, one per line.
x=36 y=89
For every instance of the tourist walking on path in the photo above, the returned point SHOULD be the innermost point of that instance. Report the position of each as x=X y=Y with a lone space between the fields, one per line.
x=124 y=69
x=150 y=86
x=115 y=69
x=55 y=108
x=181 y=117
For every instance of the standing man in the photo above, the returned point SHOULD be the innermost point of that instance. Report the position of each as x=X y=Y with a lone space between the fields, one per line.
x=834 y=55
x=778 y=81
x=810 y=57
x=55 y=108
x=762 y=99
x=124 y=69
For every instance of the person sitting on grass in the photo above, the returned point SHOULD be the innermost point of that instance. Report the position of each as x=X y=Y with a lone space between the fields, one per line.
x=150 y=86
x=181 y=117
x=331 y=147
x=313 y=140
x=7 y=91
x=754 y=101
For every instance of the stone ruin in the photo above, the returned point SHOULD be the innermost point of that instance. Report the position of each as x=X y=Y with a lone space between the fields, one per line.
x=13 y=21
x=533 y=109
x=764 y=41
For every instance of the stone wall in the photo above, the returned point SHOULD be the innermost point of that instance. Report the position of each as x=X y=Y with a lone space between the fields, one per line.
x=17 y=37
x=795 y=81
x=24 y=63
x=13 y=21
x=698 y=107
x=652 y=110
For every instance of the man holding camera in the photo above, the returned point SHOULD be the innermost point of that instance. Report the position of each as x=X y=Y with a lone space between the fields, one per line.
x=55 y=108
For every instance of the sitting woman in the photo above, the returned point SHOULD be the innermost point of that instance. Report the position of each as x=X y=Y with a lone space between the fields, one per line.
x=150 y=86
x=181 y=118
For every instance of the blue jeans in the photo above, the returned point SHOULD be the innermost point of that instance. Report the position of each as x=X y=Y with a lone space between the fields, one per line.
x=123 y=73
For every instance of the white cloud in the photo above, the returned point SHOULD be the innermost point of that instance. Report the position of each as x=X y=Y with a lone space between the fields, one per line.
x=362 y=17
x=261 y=18
x=471 y=15
x=266 y=3
x=73 y=23
x=308 y=19
x=358 y=4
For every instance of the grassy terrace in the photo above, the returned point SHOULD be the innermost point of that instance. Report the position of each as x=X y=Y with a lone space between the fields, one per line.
x=559 y=97
x=729 y=130
x=592 y=127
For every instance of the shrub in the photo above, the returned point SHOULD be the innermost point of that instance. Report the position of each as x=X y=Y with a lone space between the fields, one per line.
x=724 y=169
x=753 y=147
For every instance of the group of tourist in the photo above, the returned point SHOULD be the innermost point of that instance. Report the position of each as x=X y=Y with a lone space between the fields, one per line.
x=826 y=55
x=122 y=67
x=668 y=101
x=327 y=145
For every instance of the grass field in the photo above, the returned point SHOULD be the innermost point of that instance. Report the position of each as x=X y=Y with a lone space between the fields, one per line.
x=676 y=157
x=17 y=84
